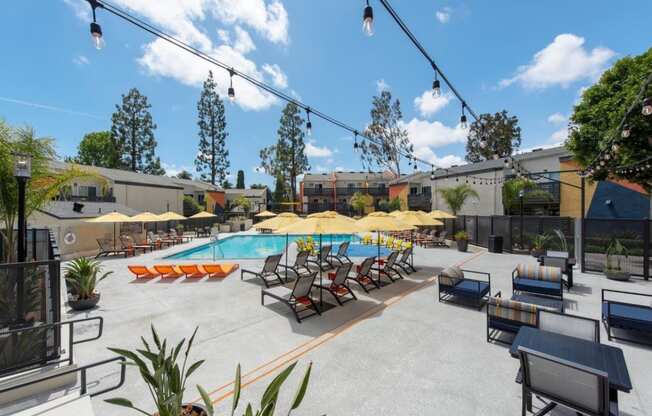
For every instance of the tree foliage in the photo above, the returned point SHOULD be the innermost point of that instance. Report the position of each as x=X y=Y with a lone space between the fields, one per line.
x=501 y=134
x=184 y=174
x=513 y=187
x=393 y=204
x=280 y=191
x=456 y=196
x=243 y=202
x=98 y=149
x=133 y=130
x=213 y=158
x=360 y=201
x=190 y=206
x=240 y=180
x=594 y=124
x=388 y=136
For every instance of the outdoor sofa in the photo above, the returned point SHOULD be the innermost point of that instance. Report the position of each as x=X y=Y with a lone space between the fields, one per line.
x=627 y=316
x=538 y=280
x=507 y=315
x=455 y=286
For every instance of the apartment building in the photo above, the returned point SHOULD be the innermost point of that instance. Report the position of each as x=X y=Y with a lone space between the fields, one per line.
x=333 y=191
x=257 y=198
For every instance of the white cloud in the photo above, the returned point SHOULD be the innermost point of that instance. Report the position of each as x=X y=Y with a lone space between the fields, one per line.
x=443 y=15
x=279 y=79
x=172 y=169
x=447 y=161
x=81 y=9
x=381 y=86
x=81 y=60
x=243 y=42
x=316 y=151
x=423 y=133
x=562 y=63
x=269 y=19
x=427 y=104
x=558 y=137
x=557 y=118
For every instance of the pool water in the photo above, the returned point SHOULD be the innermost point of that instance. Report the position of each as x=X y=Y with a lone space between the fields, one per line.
x=261 y=246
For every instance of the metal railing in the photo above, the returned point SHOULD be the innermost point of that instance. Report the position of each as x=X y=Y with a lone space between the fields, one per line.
x=307 y=191
x=91 y=198
x=420 y=202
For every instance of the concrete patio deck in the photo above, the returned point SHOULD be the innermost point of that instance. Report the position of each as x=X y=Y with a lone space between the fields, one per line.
x=394 y=351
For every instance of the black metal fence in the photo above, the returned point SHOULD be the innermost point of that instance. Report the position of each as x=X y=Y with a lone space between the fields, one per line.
x=517 y=232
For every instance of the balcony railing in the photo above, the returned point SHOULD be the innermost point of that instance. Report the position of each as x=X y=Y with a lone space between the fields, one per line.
x=339 y=207
x=94 y=198
x=420 y=202
x=318 y=191
x=553 y=193
x=346 y=191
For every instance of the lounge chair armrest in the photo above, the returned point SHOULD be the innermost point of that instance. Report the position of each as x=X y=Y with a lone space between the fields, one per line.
x=625 y=293
x=476 y=272
x=498 y=294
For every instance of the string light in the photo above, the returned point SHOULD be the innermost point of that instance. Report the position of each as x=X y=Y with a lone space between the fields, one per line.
x=436 y=87
x=627 y=131
x=309 y=123
x=463 y=123
x=231 y=91
x=368 y=20
x=96 y=29
x=647 y=107
x=355 y=141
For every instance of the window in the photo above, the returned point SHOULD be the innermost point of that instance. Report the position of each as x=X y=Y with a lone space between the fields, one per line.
x=426 y=190
x=87 y=191
x=414 y=190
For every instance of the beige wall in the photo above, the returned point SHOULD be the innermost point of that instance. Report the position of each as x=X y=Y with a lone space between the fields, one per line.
x=149 y=198
x=490 y=196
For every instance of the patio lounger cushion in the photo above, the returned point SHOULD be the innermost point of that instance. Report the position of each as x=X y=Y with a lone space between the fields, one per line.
x=220 y=270
x=192 y=271
x=168 y=271
x=537 y=286
x=512 y=311
x=628 y=316
x=536 y=272
x=142 y=272
x=471 y=288
x=451 y=276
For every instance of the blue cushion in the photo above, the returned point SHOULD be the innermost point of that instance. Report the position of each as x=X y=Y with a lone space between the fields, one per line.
x=471 y=288
x=626 y=316
x=543 y=287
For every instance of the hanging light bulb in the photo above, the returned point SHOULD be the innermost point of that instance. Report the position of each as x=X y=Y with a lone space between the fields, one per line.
x=627 y=131
x=436 y=86
x=309 y=123
x=432 y=173
x=355 y=141
x=647 y=107
x=483 y=142
x=506 y=163
x=231 y=91
x=463 y=123
x=96 y=29
x=368 y=20
x=615 y=147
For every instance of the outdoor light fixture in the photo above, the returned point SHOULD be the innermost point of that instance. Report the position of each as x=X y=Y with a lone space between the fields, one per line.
x=627 y=131
x=436 y=87
x=463 y=123
x=22 y=166
x=647 y=107
x=368 y=20
x=309 y=123
x=483 y=142
x=231 y=92
x=96 y=29
x=355 y=141
x=615 y=147
x=506 y=163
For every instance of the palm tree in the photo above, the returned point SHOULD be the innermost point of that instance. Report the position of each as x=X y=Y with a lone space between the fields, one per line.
x=456 y=197
x=513 y=187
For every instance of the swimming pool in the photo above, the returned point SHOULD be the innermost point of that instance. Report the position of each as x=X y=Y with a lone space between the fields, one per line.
x=260 y=246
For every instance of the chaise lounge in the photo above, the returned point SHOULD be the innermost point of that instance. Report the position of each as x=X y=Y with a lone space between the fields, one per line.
x=363 y=275
x=388 y=268
x=627 y=317
x=298 y=298
x=454 y=285
x=269 y=273
x=341 y=256
x=338 y=286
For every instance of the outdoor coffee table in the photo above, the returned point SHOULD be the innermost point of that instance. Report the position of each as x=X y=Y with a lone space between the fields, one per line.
x=606 y=358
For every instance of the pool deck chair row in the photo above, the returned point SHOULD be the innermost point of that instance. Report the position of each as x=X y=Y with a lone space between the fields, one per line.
x=190 y=271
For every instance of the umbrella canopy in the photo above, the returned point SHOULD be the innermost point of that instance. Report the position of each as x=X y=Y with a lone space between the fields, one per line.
x=441 y=215
x=279 y=221
x=265 y=214
x=395 y=213
x=381 y=221
x=203 y=214
x=110 y=218
x=418 y=219
x=171 y=216
x=337 y=214
x=320 y=223
x=145 y=217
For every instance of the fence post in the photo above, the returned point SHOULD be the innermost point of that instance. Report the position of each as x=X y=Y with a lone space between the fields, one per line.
x=646 y=248
x=477 y=228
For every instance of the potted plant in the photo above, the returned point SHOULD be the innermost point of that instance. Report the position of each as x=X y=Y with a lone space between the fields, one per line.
x=616 y=258
x=83 y=275
x=462 y=240
x=158 y=364
x=539 y=243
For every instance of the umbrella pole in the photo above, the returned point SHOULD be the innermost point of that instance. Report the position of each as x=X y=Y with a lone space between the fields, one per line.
x=321 y=291
x=286 y=256
x=412 y=252
x=114 y=247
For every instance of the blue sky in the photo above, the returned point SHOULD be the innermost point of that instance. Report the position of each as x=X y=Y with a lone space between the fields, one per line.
x=531 y=58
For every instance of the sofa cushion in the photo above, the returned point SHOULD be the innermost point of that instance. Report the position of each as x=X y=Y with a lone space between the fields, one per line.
x=471 y=288
x=512 y=310
x=451 y=276
x=543 y=287
x=626 y=316
x=536 y=272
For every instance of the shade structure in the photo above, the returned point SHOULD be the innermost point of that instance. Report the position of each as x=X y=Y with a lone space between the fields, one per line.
x=265 y=214
x=203 y=214
x=320 y=223
x=382 y=221
x=171 y=216
x=337 y=214
x=418 y=219
x=281 y=220
x=395 y=213
x=145 y=217
x=441 y=215
x=111 y=218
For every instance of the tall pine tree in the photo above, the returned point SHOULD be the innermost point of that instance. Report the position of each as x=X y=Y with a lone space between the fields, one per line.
x=212 y=160
x=133 y=130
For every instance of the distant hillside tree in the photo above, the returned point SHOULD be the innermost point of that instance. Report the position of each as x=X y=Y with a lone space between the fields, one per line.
x=133 y=129
x=258 y=186
x=184 y=174
x=98 y=149
x=494 y=134
x=212 y=160
x=226 y=184
x=389 y=137
x=240 y=180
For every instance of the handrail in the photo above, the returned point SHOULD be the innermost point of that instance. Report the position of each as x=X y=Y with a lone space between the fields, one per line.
x=82 y=369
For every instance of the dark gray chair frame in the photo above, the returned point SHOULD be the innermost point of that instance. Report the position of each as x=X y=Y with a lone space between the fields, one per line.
x=388 y=269
x=365 y=273
x=450 y=293
x=300 y=262
x=610 y=323
x=596 y=337
x=105 y=252
x=322 y=257
x=607 y=406
x=403 y=262
x=341 y=256
x=292 y=298
x=562 y=263
x=341 y=274
x=269 y=270
x=125 y=242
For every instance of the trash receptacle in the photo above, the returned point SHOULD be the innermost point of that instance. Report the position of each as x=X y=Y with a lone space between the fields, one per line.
x=495 y=244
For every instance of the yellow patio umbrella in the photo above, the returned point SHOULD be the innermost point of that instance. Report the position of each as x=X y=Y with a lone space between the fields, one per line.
x=417 y=219
x=281 y=220
x=344 y=217
x=111 y=218
x=171 y=216
x=265 y=214
x=203 y=214
x=381 y=221
x=144 y=217
x=395 y=213
x=320 y=223
x=441 y=215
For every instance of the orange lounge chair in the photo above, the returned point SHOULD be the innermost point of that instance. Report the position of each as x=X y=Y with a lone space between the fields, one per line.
x=142 y=272
x=220 y=270
x=168 y=271
x=192 y=271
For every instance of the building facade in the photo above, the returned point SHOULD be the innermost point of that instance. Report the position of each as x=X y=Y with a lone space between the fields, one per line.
x=257 y=198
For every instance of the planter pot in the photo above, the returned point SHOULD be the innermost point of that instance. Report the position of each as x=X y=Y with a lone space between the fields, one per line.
x=617 y=275
x=462 y=245
x=537 y=252
x=195 y=410
x=84 y=304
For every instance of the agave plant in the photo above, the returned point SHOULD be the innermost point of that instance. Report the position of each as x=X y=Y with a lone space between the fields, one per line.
x=540 y=241
x=83 y=274
x=167 y=380
x=615 y=254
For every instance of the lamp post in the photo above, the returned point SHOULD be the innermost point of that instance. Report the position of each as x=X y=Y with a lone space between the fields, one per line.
x=22 y=173
x=521 y=194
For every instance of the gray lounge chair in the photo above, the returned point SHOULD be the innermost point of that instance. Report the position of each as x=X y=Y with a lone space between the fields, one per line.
x=269 y=273
x=298 y=298
x=363 y=275
x=338 y=287
x=107 y=248
x=404 y=261
x=341 y=256
x=560 y=382
x=300 y=266
x=389 y=269
x=321 y=260
x=129 y=244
